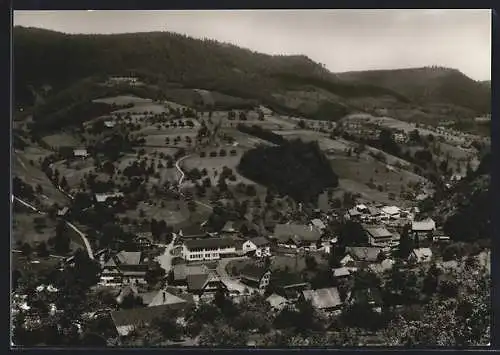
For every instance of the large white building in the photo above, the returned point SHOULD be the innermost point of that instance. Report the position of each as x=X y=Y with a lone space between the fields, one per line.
x=208 y=249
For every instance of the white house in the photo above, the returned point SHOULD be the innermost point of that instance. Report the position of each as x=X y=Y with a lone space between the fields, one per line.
x=260 y=245
x=391 y=211
x=80 y=153
x=208 y=249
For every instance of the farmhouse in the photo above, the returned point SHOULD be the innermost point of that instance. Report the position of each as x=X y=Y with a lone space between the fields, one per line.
x=181 y=272
x=318 y=224
x=80 y=153
x=208 y=249
x=391 y=211
x=126 y=266
x=109 y=124
x=288 y=285
x=255 y=276
x=343 y=272
x=358 y=256
x=127 y=320
x=170 y=295
x=297 y=236
x=205 y=284
x=259 y=245
x=378 y=236
x=423 y=229
x=101 y=198
x=325 y=299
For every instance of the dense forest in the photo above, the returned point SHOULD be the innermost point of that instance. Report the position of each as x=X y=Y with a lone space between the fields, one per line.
x=297 y=169
x=162 y=60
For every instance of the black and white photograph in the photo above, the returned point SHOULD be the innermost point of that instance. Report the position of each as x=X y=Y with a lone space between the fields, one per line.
x=251 y=178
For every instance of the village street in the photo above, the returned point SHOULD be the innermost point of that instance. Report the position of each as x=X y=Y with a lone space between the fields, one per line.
x=233 y=284
x=165 y=259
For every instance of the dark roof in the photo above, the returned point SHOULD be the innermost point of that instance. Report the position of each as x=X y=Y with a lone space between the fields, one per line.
x=192 y=230
x=137 y=316
x=209 y=243
x=260 y=241
x=198 y=282
x=253 y=272
x=284 y=232
x=182 y=271
x=369 y=254
x=378 y=232
x=285 y=279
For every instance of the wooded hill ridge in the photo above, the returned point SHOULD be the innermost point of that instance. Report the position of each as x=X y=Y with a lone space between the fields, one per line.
x=292 y=84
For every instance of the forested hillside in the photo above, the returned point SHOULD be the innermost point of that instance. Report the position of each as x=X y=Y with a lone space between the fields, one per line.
x=429 y=85
x=161 y=59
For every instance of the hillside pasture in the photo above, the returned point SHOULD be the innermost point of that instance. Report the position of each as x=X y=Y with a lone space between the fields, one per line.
x=62 y=139
x=214 y=166
x=173 y=213
x=31 y=228
x=354 y=176
x=75 y=170
x=32 y=175
x=123 y=100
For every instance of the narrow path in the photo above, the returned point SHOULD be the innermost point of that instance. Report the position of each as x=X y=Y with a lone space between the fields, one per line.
x=69 y=224
x=84 y=238
x=181 y=178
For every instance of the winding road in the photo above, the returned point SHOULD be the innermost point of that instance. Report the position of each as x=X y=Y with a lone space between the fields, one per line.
x=69 y=224
x=181 y=178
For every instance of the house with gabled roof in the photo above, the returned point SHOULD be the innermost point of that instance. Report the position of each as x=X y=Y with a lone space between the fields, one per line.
x=180 y=272
x=125 y=266
x=297 y=236
x=80 y=153
x=127 y=320
x=205 y=284
x=255 y=276
x=259 y=245
x=378 y=236
x=325 y=299
x=423 y=229
x=170 y=295
x=360 y=256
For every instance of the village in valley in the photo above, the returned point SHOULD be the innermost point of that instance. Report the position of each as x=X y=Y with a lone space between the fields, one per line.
x=193 y=218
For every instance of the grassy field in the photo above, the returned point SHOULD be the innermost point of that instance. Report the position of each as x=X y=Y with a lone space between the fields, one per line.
x=170 y=214
x=123 y=100
x=32 y=175
x=24 y=228
x=354 y=176
x=76 y=170
x=62 y=139
x=214 y=167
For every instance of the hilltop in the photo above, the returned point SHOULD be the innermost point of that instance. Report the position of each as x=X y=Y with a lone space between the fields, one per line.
x=429 y=85
x=293 y=84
